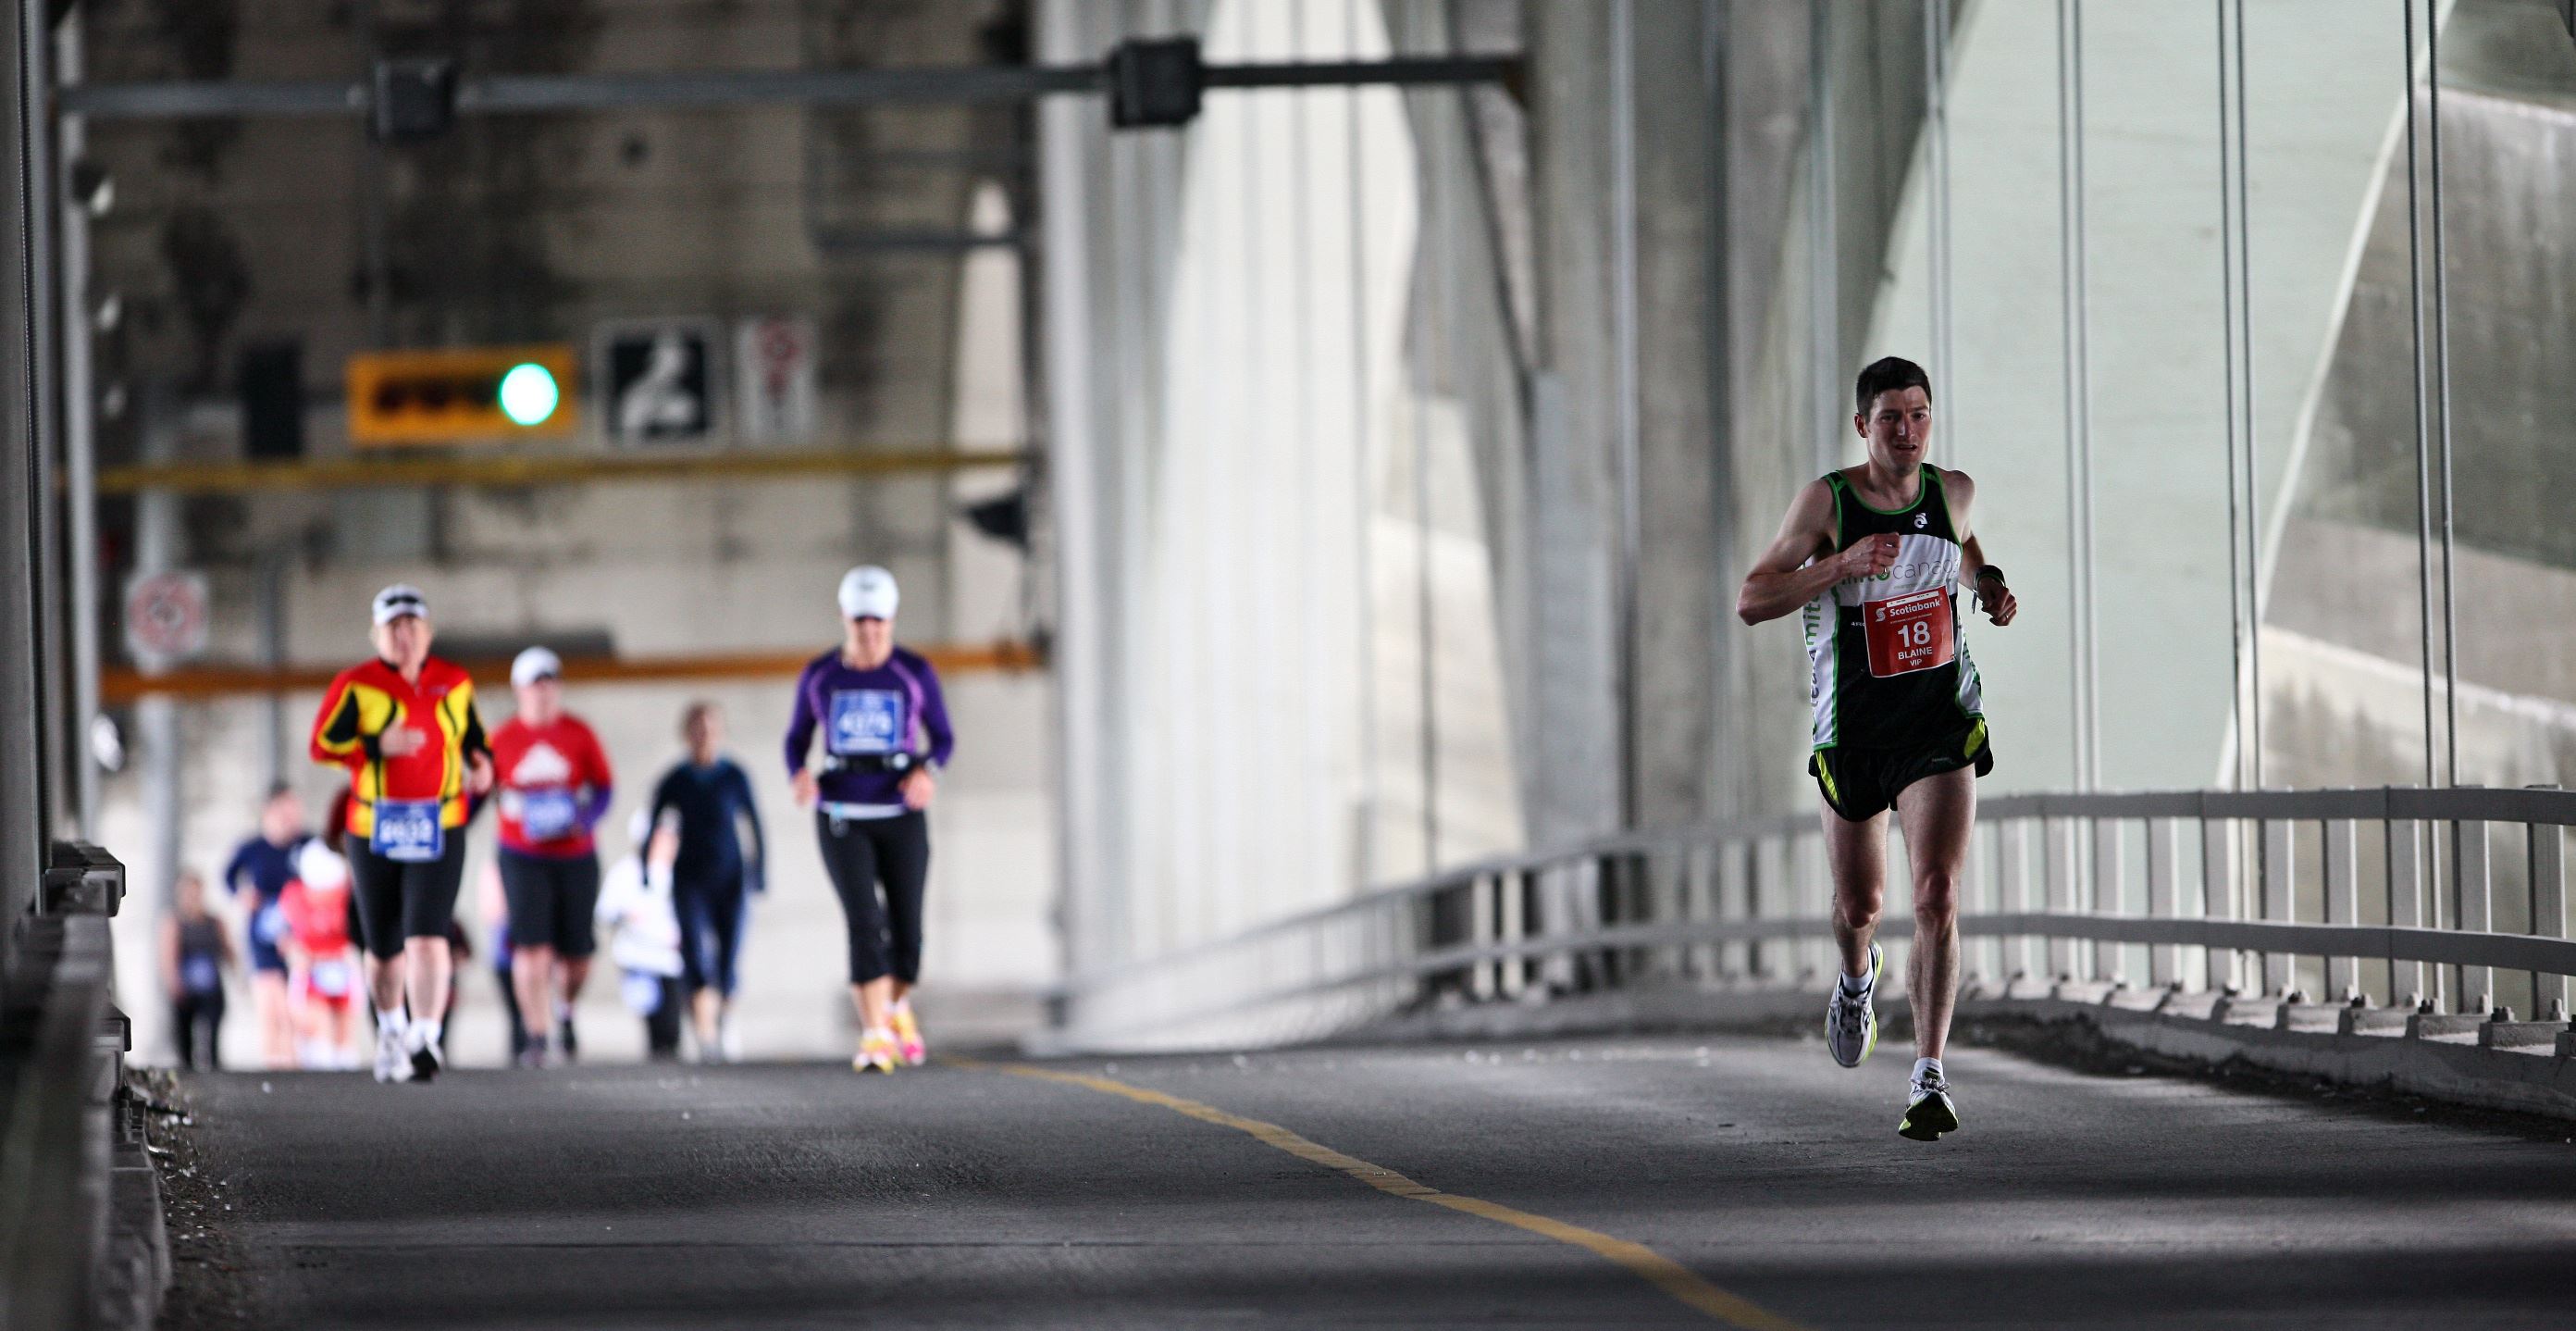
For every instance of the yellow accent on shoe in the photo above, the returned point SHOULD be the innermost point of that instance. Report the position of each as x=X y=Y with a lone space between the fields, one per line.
x=876 y=1053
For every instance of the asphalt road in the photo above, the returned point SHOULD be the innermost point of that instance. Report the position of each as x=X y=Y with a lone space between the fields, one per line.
x=1191 y=1192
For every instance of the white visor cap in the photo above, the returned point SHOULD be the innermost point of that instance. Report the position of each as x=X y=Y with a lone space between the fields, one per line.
x=319 y=867
x=868 y=592
x=534 y=664
x=399 y=600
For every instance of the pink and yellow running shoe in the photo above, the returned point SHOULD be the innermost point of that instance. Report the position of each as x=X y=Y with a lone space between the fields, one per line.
x=876 y=1052
x=907 y=1037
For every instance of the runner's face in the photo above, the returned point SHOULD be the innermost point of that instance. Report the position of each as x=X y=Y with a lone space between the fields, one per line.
x=871 y=638
x=404 y=642
x=706 y=734
x=1898 y=426
x=542 y=701
x=282 y=819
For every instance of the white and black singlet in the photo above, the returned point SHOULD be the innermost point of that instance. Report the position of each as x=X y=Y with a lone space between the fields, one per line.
x=1888 y=670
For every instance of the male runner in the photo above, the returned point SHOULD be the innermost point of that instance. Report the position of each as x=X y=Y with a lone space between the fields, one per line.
x=1874 y=555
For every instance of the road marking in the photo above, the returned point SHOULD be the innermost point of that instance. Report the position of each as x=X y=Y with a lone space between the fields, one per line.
x=1673 y=1278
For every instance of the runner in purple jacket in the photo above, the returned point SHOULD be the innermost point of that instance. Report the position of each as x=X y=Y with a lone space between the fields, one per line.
x=885 y=731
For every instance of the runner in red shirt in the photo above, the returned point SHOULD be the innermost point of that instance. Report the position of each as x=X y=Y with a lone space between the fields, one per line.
x=323 y=976
x=555 y=784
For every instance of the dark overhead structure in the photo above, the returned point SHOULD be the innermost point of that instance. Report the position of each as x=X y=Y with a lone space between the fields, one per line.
x=1150 y=83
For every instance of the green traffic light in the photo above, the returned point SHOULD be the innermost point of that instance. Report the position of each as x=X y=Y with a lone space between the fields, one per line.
x=529 y=394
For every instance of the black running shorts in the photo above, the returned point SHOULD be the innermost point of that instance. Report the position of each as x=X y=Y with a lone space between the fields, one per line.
x=551 y=900
x=396 y=900
x=1861 y=784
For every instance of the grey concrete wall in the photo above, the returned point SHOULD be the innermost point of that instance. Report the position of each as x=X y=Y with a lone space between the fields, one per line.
x=2509 y=180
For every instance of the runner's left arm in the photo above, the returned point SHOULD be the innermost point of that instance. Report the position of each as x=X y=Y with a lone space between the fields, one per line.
x=934 y=718
x=602 y=781
x=1986 y=580
x=475 y=745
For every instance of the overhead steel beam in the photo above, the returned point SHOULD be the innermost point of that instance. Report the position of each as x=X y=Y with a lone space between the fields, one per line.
x=513 y=470
x=505 y=95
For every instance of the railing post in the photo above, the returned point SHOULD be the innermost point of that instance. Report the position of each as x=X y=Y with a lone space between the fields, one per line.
x=2343 y=901
x=2407 y=980
x=2279 y=884
x=1484 y=930
x=2110 y=894
x=2057 y=874
x=2218 y=895
x=2470 y=873
x=2548 y=861
x=2012 y=857
x=1511 y=924
x=2160 y=896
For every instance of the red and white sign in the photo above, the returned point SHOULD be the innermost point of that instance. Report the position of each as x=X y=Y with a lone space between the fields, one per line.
x=1909 y=633
x=166 y=615
x=773 y=361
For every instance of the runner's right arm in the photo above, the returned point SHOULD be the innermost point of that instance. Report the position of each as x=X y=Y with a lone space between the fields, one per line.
x=1802 y=563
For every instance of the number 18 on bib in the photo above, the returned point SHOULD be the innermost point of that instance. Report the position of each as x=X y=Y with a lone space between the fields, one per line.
x=1909 y=633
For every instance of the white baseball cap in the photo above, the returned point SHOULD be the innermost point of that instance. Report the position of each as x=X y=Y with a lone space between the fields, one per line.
x=868 y=592
x=535 y=664
x=399 y=600
x=319 y=867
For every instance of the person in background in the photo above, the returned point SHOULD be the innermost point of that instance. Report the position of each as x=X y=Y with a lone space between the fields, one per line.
x=555 y=784
x=255 y=876
x=635 y=903
x=195 y=953
x=712 y=880
x=322 y=966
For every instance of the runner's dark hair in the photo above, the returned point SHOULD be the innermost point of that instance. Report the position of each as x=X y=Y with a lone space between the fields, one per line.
x=1890 y=374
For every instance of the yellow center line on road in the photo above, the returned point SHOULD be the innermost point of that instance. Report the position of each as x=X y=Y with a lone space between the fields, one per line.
x=1673 y=1278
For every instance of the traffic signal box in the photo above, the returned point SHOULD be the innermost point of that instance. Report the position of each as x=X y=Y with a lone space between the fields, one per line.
x=463 y=395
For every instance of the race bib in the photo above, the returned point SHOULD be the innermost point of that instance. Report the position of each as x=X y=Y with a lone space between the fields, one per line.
x=643 y=993
x=269 y=924
x=408 y=830
x=331 y=978
x=200 y=975
x=866 y=721
x=549 y=815
x=1909 y=633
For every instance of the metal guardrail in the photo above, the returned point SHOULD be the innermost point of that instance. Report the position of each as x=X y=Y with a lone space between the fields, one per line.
x=2431 y=900
x=61 y=1055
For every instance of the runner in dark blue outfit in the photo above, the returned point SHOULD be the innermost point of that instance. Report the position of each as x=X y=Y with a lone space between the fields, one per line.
x=260 y=869
x=712 y=881
x=885 y=731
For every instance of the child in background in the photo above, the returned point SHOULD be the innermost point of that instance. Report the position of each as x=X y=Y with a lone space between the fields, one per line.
x=635 y=901
x=323 y=968
x=195 y=953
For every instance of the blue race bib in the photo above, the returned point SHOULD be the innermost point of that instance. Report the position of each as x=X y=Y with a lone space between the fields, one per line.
x=331 y=978
x=200 y=975
x=866 y=721
x=268 y=925
x=549 y=815
x=408 y=831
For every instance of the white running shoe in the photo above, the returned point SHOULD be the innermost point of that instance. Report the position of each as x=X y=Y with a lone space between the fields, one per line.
x=392 y=1062
x=1929 y=1111
x=1851 y=1020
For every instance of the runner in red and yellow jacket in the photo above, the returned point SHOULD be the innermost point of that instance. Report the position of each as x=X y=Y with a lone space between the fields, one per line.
x=404 y=726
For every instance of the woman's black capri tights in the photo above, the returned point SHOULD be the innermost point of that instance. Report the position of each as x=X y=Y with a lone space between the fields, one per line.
x=860 y=853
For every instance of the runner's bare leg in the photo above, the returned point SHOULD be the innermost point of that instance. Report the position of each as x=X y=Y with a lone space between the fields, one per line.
x=1857 y=854
x=1937 y=814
